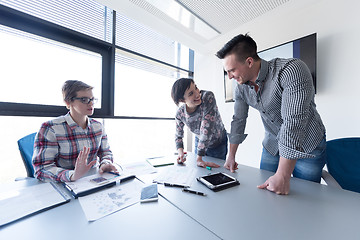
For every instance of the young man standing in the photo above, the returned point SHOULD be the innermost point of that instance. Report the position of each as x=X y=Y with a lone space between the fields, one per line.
x=282 y=91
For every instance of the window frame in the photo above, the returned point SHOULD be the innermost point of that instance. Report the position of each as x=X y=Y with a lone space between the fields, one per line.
x=22 y=21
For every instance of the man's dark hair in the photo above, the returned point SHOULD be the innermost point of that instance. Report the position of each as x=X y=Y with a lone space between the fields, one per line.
x=243 y=46
x=178 y=89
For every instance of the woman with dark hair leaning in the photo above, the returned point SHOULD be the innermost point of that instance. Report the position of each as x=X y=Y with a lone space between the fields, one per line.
x=67 y=147
x=200 y=114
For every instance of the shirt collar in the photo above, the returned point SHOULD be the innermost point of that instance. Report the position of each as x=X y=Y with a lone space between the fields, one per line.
x=72 y=124
x=263 y=72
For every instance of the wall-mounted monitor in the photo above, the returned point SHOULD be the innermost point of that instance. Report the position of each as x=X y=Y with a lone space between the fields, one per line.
x=303 y=48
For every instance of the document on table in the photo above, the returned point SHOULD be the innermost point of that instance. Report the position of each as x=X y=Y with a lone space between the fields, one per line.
x=139 y=168
x=95 y=182
x=176 y=175
x=20 y=202
x=161 y=161
x=108 y=201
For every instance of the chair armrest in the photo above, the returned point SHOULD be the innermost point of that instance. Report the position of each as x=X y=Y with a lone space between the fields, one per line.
x=329 y=180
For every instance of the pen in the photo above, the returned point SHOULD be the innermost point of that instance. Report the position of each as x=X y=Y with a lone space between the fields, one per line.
x=67 y=187
x=155 y=157
x=175 y=185
x=193 y=191
x=114 y=173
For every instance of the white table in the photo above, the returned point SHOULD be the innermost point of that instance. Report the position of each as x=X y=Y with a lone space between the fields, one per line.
x=153 y=220
x=310 y=211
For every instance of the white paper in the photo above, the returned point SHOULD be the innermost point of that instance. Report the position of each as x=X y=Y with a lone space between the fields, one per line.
x=176 y=175
x=110 y=200
x=139 y=168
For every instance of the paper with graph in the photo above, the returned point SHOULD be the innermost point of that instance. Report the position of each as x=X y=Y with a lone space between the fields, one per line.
x=108 y=201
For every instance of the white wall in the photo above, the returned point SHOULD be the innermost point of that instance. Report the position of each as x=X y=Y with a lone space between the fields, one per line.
x=338 y=51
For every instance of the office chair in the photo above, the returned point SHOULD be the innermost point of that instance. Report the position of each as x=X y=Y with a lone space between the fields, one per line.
x=343 y=163
x=26 y=148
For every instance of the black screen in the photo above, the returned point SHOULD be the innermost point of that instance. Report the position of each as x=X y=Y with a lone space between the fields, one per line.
x=218 y=178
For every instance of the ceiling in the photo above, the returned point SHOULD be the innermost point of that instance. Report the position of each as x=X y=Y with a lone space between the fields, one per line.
x=223 y=16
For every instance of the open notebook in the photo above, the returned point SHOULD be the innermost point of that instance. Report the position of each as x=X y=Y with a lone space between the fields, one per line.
x=95 y=182
x=20 y=202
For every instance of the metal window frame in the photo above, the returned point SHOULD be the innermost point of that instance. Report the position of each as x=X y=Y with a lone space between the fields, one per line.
x=34 y=25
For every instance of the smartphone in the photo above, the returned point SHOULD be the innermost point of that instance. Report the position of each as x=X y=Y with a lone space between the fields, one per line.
x=99 y=180
x=149 y=193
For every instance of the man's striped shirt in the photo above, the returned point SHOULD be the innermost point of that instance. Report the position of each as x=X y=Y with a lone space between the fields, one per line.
x=285 y=100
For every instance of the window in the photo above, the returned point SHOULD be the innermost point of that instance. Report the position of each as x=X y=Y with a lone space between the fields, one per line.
x=45 y=55
x=145 y=74
x=140 y=39
x=143 y=88
x=97 y=22
x=133 y=140
x=14 y=128
x=52 y=43
x=43 y=63
x=132 y=69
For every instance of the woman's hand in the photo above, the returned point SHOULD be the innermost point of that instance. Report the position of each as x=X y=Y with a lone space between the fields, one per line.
x=201 y=163
x=181 y=156
x=108 y=167
x=81 y=165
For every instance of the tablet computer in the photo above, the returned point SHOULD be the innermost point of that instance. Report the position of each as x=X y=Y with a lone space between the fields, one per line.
x=218 y=181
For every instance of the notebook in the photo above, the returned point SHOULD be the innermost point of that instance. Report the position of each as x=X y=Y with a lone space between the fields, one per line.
x=20 y=202
x=95 y=182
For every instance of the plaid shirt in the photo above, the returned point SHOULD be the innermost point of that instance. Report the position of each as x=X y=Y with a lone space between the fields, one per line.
x=285 y=100
x=59 y=142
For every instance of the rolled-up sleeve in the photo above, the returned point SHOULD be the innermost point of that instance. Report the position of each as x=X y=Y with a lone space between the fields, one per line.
x=238 y=122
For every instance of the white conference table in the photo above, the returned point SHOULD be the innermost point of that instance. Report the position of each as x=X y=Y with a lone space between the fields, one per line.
x=153 y=220
x=310 y=211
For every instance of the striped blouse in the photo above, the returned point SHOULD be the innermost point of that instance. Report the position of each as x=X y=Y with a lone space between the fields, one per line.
x=285 y=100
x=59 y=142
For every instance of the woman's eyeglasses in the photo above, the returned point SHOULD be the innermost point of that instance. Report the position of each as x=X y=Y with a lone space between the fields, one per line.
x=86 y=100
